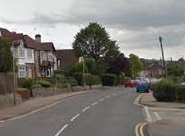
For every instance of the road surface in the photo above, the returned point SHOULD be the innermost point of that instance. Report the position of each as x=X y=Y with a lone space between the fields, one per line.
x=107 y=112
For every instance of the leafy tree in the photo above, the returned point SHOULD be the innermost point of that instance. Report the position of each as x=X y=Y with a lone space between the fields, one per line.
x=6 y=58
x=135 y=65
x=175 y=70
x=93 y=41
x=118 y=65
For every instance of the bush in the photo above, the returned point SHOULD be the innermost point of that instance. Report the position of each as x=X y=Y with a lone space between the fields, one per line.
x=109 y=79
x=72 y=81
x=26 y=83
x=79 y=77
x=164 y=91
x=180 y=93
x=44 y=83
x=92 y=79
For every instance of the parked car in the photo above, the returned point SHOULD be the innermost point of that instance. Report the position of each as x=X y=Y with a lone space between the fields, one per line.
x=143 y=86
x=130 y=83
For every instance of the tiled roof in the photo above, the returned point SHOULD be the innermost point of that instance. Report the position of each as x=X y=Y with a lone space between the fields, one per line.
x=31 y=43
x=47 y=46
x=28 y=41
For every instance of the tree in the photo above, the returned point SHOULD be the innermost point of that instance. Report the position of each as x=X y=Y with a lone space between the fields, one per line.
x=93 y=41
x=175 y=70
x=6 y=58
x=135 y=65
x=118 y=65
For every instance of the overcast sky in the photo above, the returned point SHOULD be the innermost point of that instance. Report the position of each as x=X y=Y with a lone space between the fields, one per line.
x=135 y=24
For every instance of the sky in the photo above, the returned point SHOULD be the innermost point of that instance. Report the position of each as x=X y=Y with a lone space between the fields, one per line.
x=134 y=24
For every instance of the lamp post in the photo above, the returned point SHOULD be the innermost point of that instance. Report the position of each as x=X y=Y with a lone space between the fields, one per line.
x=14 y=78
x=83 y=71
x=163 y=60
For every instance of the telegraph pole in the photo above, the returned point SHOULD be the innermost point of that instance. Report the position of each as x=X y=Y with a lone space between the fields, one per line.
x=163 y=60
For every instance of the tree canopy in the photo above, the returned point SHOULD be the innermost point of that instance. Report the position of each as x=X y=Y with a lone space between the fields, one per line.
x=93 y=41
x=135 y=64
x=5 y=56
x=175 y=70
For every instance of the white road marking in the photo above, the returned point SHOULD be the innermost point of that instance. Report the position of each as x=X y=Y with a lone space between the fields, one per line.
x=85 y=109
x=95 y=103
x=75 y=117
x=102 y=99
x=61 y=130
x=148 y=115
x=157 y=116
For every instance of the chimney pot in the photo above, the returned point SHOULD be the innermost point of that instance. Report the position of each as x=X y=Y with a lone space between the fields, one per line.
x=38 y=38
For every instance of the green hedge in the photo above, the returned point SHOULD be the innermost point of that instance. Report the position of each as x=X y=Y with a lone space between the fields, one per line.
x=109 y=79
x=168 y=91
x=92 y=79
x=180 y=93
x=165 y=91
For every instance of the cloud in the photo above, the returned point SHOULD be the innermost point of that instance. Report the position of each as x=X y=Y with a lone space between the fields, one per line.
x=136 y=24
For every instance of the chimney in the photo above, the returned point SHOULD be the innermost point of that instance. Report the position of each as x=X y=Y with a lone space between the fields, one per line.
x=38 y=38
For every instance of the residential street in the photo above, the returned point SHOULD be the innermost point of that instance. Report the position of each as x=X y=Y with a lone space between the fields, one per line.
x=107 y=112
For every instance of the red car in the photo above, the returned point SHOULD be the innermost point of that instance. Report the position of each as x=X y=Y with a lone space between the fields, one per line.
x=130 y=83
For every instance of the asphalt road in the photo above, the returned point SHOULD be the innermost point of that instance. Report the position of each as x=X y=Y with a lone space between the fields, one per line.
x=108 y=112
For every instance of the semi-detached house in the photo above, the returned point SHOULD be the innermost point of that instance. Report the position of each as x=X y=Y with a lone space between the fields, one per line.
x=34 y=58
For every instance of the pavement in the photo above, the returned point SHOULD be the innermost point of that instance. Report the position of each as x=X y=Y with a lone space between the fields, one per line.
x=105 y=112
x=164 y=119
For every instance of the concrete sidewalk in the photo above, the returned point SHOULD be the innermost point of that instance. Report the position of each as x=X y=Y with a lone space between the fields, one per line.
x=168 y=125
x=35 y=104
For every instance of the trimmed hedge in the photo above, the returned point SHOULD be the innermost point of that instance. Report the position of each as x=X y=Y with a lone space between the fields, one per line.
x=165 y=91
x=92 y=79
x=180 y=93
x=109 y=80
x=168 y=91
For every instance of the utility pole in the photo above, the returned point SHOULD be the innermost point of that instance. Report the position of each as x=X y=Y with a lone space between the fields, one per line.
x=163 y=60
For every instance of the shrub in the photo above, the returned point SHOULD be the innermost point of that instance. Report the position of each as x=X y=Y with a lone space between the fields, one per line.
x=180 y=93
x=164 y=91
x=28 y=84
x=92 y=79
x=72 y=81
x=44 y=83
x=79 y=77
x=109 y=79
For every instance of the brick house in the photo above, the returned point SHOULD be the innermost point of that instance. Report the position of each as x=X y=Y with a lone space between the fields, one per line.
x=66 y=57
x=154 y=70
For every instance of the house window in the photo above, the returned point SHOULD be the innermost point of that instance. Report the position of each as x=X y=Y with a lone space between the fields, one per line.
x=21 y=51
x=29 y=53
x=22 y=71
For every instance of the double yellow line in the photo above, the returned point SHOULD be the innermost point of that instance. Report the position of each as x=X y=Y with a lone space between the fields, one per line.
x=139 y=129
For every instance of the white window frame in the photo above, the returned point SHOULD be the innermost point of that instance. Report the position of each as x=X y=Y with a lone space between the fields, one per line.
x=29 y=53
x=22 y=71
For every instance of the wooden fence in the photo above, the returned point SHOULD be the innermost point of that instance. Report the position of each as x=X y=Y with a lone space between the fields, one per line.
x=6 y=83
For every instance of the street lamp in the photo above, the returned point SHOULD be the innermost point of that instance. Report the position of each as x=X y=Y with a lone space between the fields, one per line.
x=14 y=76
x=162 y=52
x=83 y=73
